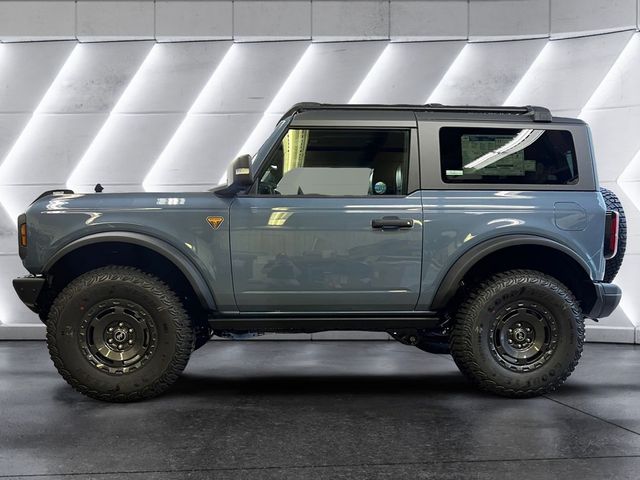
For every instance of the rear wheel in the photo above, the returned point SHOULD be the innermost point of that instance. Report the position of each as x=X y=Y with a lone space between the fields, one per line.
x=119 y=334
x=519 y=334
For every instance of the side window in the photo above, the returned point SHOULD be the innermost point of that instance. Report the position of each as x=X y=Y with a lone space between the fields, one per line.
x=338 y=162
x=507 y=155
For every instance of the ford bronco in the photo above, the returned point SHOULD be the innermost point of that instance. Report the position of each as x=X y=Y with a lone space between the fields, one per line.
x=476 y=231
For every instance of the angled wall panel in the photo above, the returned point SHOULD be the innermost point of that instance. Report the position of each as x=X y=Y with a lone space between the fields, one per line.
x=407 y=72
x=484 y=73
x=329 y=73
x=567 y=72
x=146 y=116
x=67 y=119
x=224 y=113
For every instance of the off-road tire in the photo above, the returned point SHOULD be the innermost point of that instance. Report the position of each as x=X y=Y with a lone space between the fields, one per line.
x=169 y=334
x=612 y=202
x=473 y=338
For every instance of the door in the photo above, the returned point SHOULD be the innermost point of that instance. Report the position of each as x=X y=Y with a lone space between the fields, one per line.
x=331 y=225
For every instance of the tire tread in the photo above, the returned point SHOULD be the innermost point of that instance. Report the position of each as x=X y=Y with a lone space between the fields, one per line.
x=184 y=331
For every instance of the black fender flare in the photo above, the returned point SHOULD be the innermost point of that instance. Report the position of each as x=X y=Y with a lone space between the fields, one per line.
x=181 y=261
x=449 y=284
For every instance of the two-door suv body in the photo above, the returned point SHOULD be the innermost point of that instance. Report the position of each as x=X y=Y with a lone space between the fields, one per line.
x=479 y=231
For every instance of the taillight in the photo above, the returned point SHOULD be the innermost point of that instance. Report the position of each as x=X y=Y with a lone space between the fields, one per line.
x=612 y=227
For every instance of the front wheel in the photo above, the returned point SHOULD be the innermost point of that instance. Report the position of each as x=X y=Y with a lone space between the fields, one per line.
x=518 y=334
x=119 y=334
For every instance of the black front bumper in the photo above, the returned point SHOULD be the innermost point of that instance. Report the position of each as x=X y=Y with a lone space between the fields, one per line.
x=608 y=297
x=28 y=289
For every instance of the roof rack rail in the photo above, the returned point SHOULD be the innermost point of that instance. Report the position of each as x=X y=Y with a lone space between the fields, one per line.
x=537 y=114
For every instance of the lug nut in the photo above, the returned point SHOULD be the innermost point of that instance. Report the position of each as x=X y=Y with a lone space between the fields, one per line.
x=120 y=346
x=518 y=325
x=111 y=329
x=510 y=342
x=121 y=324
x=111 y=340
x=528 y=329
x=528 y=340
x=131 y=330
x=130 y=342
x=511 y=330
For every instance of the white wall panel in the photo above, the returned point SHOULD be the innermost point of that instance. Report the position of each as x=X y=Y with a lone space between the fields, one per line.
x=99 y=20
x=581 y=17
x=336 y=20
x=407 y=72
x=183 y=20
x=230 y=105
x=413 y=20
x=145 y=117
x=329 y=73
x=37 y=20
x=484 y=73
x=567 y=72
x=255 y=73
x=257 y=20
x=200 y=161
x=67 y=120
x=26 y=72
x=615 y=139
x=508 y=19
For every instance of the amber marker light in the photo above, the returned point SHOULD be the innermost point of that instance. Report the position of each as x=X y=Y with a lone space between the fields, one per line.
x=23 y=234
x=215 y=222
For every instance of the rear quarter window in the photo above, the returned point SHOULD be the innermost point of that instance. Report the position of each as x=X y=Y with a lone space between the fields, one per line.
x=507 y=155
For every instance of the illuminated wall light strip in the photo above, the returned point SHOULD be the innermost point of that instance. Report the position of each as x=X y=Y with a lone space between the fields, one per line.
x=525 y=78
x=23 y=140
x=369 y=80
x=433 y=97
x=181 y=131
x=625 y=58
x=101 y=138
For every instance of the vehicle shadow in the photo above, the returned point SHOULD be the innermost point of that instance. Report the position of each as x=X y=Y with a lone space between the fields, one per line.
x=322 y=384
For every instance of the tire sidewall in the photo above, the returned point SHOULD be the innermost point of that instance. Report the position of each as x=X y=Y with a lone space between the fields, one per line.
x=66 y=324
x=483 y=317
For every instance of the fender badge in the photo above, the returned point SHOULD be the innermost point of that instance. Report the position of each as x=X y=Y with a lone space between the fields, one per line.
x=215 y=222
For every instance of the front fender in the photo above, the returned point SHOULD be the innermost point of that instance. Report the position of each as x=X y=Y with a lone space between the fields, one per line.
x=191 y=272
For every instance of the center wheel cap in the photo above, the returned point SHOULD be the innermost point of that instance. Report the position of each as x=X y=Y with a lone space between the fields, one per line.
x=120 y=335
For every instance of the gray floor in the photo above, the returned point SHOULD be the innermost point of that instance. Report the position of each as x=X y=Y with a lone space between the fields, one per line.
x=312 y=410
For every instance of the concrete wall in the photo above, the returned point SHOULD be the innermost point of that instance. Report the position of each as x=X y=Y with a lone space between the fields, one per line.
x=161 y=95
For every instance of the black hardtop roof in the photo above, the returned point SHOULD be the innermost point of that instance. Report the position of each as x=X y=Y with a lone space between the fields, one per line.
x=528 y=112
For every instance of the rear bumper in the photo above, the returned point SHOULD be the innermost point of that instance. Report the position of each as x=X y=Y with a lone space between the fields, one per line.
x=28 y=289
x=608 y=297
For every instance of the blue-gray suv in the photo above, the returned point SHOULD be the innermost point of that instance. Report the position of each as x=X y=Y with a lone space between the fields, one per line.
x=476 y=231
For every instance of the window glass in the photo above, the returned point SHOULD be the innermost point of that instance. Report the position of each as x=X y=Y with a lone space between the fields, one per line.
x=338 y=162
x=507 y=155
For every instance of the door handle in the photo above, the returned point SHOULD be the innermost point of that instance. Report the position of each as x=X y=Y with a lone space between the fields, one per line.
x=391 y=223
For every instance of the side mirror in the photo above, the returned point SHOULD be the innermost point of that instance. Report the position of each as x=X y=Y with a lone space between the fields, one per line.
x=239 y=177
x=239 y=172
